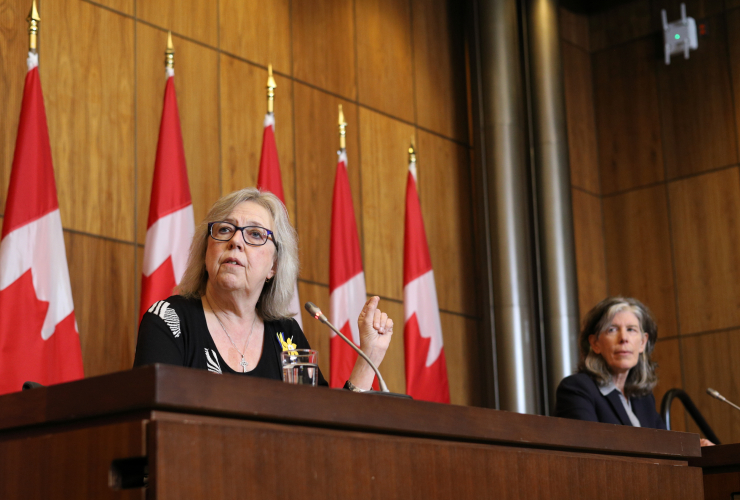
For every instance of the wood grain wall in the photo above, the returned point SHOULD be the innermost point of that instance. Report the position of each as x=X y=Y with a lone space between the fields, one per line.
x=656 y=186
x=397 y=66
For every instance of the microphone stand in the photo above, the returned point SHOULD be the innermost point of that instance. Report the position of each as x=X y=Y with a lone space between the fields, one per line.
x=314 y=311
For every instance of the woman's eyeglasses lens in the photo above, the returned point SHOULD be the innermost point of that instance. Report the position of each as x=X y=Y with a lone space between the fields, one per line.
x=253 y=235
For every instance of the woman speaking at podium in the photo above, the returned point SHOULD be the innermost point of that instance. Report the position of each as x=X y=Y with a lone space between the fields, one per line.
x=616 y=376
x=232 y=312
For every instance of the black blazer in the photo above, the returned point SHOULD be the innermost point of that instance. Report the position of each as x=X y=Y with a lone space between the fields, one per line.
x=578 y=397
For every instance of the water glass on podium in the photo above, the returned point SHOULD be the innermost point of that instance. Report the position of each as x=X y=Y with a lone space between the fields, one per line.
x=300 y=366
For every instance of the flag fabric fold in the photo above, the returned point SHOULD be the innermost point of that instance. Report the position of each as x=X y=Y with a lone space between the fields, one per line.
x=347 y=293
x=38 y=332
x=270 y=179
x=426 y=368
x=170 y=225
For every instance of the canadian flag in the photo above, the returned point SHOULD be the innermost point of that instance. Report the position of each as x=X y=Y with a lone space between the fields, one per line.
x=38 y=332
x=346 y=278
x=171 y=224
x=426 y=369
x=269 y=179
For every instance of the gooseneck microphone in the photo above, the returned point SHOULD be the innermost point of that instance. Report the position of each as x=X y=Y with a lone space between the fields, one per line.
x=316 y=313
x=719 y=396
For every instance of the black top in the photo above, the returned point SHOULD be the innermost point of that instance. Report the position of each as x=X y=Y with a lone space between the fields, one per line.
x=175 y=332
x=579 y=397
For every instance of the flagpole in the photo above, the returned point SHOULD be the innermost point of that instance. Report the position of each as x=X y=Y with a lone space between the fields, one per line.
x=342 y=130
x=271 y=86
x=33 y=28
x=169 y=54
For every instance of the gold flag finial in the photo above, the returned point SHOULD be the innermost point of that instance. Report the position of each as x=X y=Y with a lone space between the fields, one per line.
x=342 y=129
x=33 y=28
x=412 y=151
x=169 y=53
x=271 y=86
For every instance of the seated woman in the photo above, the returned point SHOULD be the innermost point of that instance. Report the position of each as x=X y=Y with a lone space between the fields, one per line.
x=616 y=377
x=232 y=312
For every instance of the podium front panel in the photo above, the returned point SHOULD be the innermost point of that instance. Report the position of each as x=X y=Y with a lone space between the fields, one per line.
x=193 y=457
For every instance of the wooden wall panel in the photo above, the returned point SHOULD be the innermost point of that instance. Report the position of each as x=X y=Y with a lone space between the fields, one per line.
x=711 y=361
x=697 y=107
x=102 y=278
x=590 y=258
x=705 y=216
x=463 y=367
x=137 y=286
x=439 y=66
x=668 y=356
x=189 y=18
x=316 y=333
x=196 y=87
x=13 y=53
x=89 y=97
x=444 y=186
x=733 y=39
x=324 y=45
x=579 y=107
x=256 y=31
x=123 y=6
x=384 y=142
x=316 y=144
x=620 y=24
x=243 y=107
x=627 y=116
x=574 y=28
x=384 y=56
x=638 y=252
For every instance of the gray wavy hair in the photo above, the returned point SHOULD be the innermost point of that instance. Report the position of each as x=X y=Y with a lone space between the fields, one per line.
x=641 y=379
x=276 y=294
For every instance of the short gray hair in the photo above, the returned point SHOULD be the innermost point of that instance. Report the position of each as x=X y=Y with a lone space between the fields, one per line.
x=641 y=378
x=275 y=299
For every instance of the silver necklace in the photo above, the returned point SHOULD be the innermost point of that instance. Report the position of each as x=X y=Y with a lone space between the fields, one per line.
x=243 y=362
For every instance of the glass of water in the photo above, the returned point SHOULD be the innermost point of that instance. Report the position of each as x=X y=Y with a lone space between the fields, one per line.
x=300 y=366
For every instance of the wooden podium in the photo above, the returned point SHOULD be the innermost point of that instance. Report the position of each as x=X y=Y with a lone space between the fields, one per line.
x=721 y=467
x=193 y=434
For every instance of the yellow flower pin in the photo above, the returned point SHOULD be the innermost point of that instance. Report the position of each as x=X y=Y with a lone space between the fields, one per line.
x=287 y=345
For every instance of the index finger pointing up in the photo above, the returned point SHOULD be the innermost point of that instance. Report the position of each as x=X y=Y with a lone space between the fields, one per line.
x=368 y=312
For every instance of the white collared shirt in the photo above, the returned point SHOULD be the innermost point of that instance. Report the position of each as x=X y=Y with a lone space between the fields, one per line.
x=611 y=386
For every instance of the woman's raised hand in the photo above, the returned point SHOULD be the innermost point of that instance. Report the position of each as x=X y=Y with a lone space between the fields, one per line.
x=376 y=330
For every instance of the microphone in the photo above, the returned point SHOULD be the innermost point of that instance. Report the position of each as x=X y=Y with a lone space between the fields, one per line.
x=719 y=396
x=314 y=311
